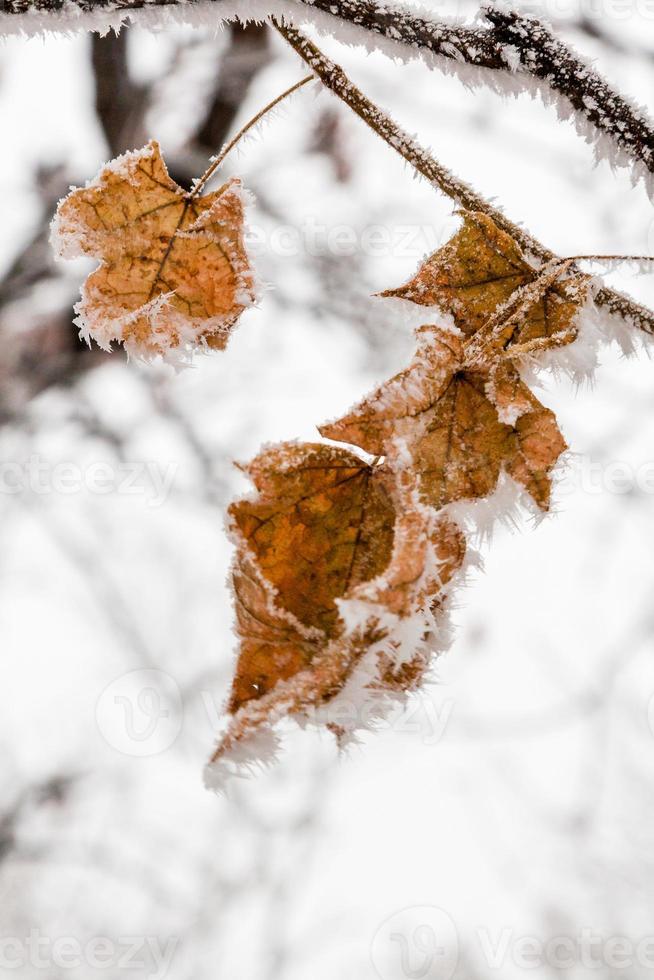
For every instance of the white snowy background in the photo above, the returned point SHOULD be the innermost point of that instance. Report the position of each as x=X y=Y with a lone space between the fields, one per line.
x=511 y=804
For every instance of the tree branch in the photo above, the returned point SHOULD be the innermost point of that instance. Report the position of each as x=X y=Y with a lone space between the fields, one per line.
x=546 y=57
x=335 y=79
x=514 y=47
x=119 y=101
x=539 y=53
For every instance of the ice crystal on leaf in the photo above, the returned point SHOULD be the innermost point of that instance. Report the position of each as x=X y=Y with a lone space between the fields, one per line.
x=458 y=426
x=478 y=271
x=344 y=566
x=174 y=272
x=334 y=557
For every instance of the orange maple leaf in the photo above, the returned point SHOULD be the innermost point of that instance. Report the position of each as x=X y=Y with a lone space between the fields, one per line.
x=457 y=425
x=480 y=270
x=174 y=272
x=333 y=554
x=343 y=566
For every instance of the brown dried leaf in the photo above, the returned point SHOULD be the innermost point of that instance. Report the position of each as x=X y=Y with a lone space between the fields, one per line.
x=458 y=426
x=479 y=270
x=537 y=439
x=174 y=270
x=375 y=422
x=321 y=524
x=325 y=526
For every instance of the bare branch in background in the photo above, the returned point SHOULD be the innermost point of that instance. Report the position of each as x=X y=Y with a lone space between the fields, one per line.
x=248 y=53
x=595 y=28
x=39 y=348
x=328 y=139
x=53 y=790
x=119 y=101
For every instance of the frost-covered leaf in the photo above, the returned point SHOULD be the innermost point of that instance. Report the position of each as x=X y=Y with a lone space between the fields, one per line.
x=174 y=272
x=373 y=425
x=321 y=524
x=402 y=668
x=337 y=569
x=457 y=425
x=536 y=442
x=479 y=270
x=343 y=567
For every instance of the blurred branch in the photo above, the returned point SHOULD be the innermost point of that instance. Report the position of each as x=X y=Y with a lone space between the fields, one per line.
x=34 y=262
x=39 y=348
x=53 y=790
x=120 y=105
x=593 y=27
x=328 y=139
x=248 y=53
x=119 y=102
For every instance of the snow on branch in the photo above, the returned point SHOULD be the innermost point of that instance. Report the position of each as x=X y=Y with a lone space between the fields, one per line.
x=544 y=56
x=509 y=51
x=513 y=53
x=334 y=78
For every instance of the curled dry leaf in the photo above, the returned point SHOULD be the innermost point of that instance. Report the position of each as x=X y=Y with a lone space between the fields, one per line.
x=321 y=524
x=174 y=272
x=342 y=568
x=457 y=426
x=336 y=562
x=480 y=270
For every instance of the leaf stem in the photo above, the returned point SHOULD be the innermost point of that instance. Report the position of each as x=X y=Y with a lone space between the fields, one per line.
x=202 y=181
x=335 y=79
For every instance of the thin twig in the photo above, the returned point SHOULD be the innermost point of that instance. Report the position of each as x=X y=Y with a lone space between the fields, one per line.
x=335 y=79
x=210 y=171
x=511 y=44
